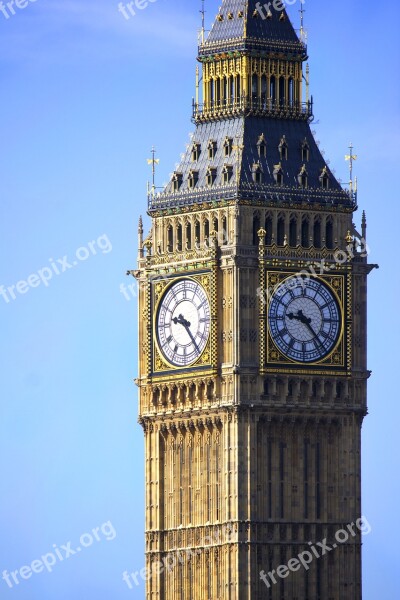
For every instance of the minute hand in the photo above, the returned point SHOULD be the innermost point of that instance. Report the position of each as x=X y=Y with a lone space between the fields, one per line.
x=318 y=341
x=191 y=336
x=310 y=328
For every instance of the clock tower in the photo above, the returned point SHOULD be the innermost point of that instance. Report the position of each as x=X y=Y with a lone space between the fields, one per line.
x=252 y=338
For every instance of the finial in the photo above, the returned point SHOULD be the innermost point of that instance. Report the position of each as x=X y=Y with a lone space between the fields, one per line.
x=349 y=237
x=140 y=237
x=261 y=234
x=307 y=83
x=351 y=158
x=364 y=226
x=153 y=162
x=197 y=86
x=203 y=21
x=302 y=31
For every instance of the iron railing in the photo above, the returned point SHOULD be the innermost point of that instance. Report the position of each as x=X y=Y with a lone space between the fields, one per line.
x=266 y=193
x=252 y=106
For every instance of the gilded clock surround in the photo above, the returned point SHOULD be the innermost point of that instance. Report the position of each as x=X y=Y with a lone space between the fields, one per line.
x=246 y=440
x=336 y=358
x=161 y=364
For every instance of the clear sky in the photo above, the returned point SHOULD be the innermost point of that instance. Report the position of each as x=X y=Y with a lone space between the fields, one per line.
x=85 y=95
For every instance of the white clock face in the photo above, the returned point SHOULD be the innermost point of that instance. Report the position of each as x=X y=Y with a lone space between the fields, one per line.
x=304 y=319
x=183 y=322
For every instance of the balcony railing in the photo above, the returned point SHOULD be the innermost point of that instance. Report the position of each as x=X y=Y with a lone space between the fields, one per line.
x=269 y=194
x=253 y=106
x=248 y=43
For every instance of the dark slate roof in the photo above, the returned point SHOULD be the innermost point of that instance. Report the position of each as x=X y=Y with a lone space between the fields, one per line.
x=252 y=30
x=245 y=132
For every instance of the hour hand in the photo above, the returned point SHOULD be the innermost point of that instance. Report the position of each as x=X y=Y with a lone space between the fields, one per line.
x=181 y=321
x=303 y=319
x=299 y=317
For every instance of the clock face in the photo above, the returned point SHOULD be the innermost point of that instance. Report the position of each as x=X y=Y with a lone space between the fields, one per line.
x=183 y=322
x=304 y=319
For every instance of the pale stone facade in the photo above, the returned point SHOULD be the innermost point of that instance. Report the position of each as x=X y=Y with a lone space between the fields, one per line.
x=251 y=455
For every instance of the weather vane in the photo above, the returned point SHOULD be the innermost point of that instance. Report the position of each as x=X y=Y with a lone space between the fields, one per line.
x=153 y=162
x=351 y=158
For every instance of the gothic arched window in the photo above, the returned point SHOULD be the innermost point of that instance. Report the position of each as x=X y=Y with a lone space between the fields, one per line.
x=262 y=146
x=257 y=173
x=280 y=237
x=302 y=177
x=272 y=89
x=324 y=179
x=179 y=235
x=293 y=232
x=305 y=233
x=329 y=234
x=283 y=148
x=256 y=229
x=170 y=239
x=268 y=229
x=317 y=233
x=278 y=174
x=291 y=91
x=305 y=151
x=189 y=236
x=282 y=98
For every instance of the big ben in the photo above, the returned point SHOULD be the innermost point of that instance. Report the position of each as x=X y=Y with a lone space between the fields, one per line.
x=252 y=337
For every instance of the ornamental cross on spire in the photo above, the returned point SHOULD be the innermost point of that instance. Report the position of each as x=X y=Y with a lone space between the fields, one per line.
x=153 y=161
x=302 y=30
x=351 y=158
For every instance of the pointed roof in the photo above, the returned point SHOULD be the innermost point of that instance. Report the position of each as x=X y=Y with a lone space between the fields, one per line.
x=251 y=25
x=245 y=133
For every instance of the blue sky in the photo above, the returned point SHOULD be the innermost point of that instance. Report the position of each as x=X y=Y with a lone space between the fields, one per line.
x=85 y=95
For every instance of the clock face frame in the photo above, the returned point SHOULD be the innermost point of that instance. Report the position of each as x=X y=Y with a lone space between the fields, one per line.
x=304 y=319
x=183 y=322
